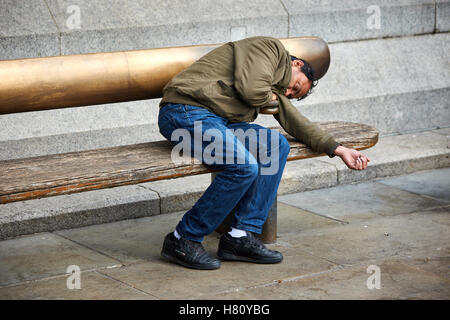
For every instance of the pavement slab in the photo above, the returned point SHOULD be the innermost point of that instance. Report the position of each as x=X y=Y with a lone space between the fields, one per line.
x=45 y=255
x=93 y=286
x=293 y=220
x=433 y=183
x=129 y=241
x=421 y=235
x=166 y=280
x=437 y=265
x=137 y=245
x=362 y=201
x=139 y=240
x=397 y=281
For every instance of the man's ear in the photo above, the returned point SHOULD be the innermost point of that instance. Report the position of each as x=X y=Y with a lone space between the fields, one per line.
x=297 y=63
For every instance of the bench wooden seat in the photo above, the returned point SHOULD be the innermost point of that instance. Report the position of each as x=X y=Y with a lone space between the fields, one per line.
x=58 y=174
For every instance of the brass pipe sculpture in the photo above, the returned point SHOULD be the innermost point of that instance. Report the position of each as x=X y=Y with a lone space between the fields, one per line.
x=100 y=78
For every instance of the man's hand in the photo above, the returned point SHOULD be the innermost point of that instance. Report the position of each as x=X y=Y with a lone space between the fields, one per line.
x=352 y=158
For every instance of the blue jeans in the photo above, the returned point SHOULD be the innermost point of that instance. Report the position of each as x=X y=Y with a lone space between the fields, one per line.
x=251 y=167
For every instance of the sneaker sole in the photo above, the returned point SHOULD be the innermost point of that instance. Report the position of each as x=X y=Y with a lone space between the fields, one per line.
x=184 y=264
x=231 y=257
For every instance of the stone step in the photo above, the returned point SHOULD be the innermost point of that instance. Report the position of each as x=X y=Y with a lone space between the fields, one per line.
x=393 y=155
x=36 y=28
x=398 y=85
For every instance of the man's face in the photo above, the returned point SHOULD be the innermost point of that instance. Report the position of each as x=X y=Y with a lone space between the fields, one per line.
x=299 y=84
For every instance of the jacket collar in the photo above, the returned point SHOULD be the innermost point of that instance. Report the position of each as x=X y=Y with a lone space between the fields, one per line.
x=284 y=83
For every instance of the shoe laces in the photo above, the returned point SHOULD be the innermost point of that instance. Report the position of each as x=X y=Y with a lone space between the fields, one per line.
x=194 y=246
x=254 y=241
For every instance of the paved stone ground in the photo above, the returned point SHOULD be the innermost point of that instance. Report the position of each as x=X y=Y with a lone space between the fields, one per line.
x=329 y=238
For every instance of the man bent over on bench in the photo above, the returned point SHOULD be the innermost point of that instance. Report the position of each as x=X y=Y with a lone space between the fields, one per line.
x=213 y=102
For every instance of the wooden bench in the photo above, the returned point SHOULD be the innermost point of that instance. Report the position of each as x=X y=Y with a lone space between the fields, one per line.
x=73 y=172
x=58 y=174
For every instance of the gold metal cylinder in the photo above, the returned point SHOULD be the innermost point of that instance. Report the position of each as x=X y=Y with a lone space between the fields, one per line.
x=99 y=78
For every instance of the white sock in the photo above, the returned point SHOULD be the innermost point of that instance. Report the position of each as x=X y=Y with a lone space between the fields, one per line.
x=237 y=233
x=177 y=235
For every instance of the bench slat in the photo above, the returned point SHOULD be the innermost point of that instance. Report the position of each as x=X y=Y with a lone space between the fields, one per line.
x=73 y=172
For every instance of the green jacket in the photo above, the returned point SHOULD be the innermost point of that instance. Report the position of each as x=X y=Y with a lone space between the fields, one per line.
x=236 y=79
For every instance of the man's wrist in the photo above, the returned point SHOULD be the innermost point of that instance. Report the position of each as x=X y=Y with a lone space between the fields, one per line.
x=339 y=150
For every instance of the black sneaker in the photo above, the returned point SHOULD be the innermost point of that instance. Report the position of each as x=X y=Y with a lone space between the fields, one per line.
x=248 y=248
x=188 y=253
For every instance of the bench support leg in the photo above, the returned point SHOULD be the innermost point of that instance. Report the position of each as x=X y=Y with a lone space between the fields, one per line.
x=269 y=233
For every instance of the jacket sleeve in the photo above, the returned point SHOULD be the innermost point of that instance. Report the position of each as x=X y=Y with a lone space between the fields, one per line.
x=255 y=64
x=304 y=130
